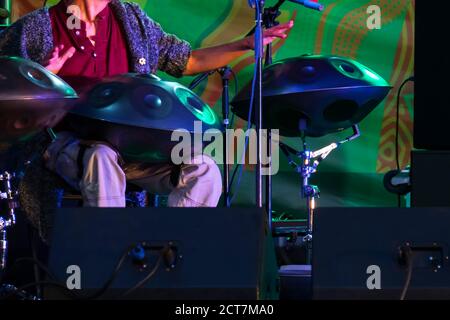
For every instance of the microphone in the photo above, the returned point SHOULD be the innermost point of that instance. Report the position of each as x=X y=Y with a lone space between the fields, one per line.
x=309 y=4
x=4 y=14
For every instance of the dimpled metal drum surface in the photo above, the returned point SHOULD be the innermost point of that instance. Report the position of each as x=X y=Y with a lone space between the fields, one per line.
x=31 y=99
x=137 y=115
x=331 y=93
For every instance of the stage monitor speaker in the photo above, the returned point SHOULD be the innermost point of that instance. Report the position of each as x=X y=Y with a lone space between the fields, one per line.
x=430 y=176
x=204 y=253
x=365 y=253
x=432 y=70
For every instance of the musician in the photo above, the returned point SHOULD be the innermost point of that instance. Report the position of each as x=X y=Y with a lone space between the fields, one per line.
x=114 y=38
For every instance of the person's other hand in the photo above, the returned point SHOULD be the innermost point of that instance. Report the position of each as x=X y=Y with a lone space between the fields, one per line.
x=271 y=34
x=57 y=58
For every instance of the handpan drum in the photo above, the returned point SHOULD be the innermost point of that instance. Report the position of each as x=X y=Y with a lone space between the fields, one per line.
x=137 y=115
x=31 y=99
x=330 y=93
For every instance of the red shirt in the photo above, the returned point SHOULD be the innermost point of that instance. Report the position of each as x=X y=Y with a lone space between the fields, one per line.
x=108 y=57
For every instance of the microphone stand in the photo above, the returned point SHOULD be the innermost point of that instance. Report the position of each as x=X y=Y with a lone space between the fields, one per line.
x=225 y=73
x=200 y=78
x=269 y=17
x=258 y=5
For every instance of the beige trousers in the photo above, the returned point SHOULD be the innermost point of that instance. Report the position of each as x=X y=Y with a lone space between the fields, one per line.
x=103 y=181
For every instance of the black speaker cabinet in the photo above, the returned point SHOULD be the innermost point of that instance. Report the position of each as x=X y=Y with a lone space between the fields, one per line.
x=361 y=253
x=430 y=179
x=211 y=253
x=432 y=67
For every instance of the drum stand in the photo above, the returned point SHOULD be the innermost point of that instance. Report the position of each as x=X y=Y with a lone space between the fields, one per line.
x=310 y=161
x=5 y=223
x=10 y=220
x=7 y=193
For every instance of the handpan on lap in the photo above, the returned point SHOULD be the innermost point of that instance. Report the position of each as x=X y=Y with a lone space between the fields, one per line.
x=331 y=93
x=137 y=115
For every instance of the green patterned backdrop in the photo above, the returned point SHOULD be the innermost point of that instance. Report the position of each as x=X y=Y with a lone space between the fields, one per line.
x=352 y=175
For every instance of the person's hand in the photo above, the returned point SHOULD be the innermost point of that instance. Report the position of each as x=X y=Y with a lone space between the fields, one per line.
x=277 y=32
x=271 y=34
x=57 y=58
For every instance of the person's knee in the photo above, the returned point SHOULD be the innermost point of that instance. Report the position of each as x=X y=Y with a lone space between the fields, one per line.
x=209 y=180
x=100 y=166
x=100 y=153
x=209 y=171
x=200 y=184
x=104 y=182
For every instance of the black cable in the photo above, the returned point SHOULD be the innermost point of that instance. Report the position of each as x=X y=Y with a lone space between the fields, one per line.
x=45 y=3
x=236 y=88
x=397 y=123
x=40 y=283
x=236 y=81
x=409 y=261
x=36 y=271
x=35 y=262
x=53 y=281
x=233 y=176
x=113 y=276
x=147 y=277
x=71 y=294
x=397 y=130
x=59 y=284
x=249 y=126
x=93 y=296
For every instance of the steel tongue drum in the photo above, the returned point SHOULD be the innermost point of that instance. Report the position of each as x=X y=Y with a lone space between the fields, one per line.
x=137 y=114
x=331 y=93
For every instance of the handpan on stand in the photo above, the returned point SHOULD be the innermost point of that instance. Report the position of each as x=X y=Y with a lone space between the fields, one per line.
x=32 y=100
x=313 y=96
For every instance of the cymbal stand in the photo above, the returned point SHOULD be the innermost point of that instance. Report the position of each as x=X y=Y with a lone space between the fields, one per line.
x=310 y=161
